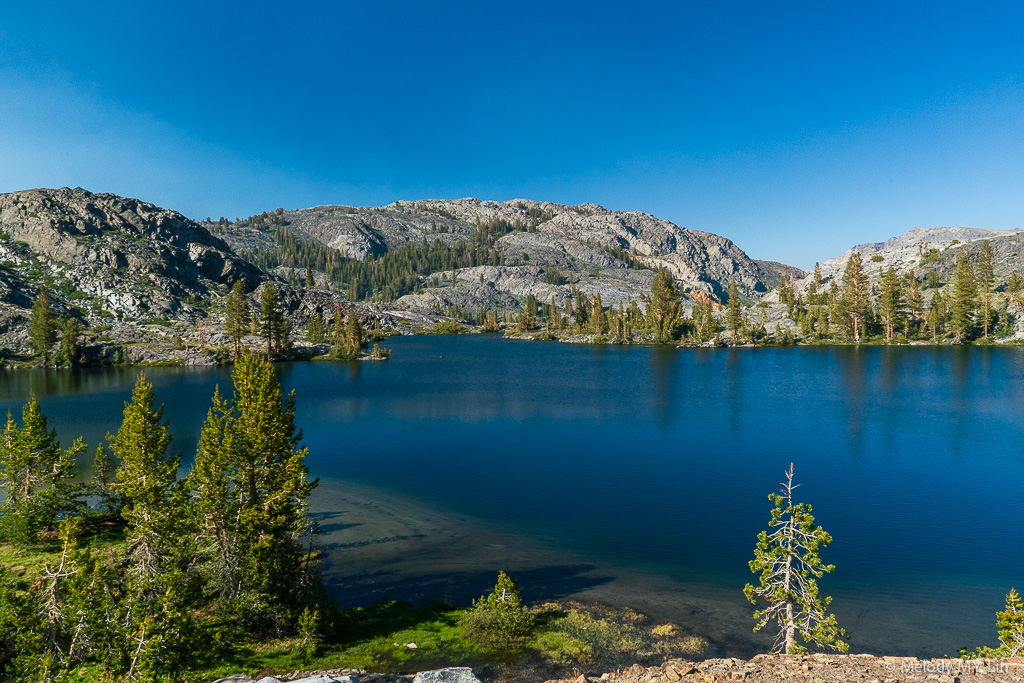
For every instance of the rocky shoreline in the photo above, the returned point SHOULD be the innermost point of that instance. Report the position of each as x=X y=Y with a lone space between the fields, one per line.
x=761 y=669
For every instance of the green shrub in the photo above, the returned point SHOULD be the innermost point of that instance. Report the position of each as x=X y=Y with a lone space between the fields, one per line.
x=499 y=620
x=448 y=327
x=309 y=633
x=929 y=256
x=877 y=258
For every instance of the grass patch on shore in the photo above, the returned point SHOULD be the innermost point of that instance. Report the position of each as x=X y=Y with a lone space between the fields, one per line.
x=379 y=638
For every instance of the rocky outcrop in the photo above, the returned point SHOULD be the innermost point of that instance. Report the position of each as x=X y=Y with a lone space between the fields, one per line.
x=581 y=242
x=760 y=669
x=777 y=271
x=457 y=674
x=926 y=249
x=113 y=254
x=819 y=669
x=460 y=674
x=315 y=678
x=501 y=288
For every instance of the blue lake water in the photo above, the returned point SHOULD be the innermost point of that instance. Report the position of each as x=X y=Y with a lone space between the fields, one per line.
x=650 y=468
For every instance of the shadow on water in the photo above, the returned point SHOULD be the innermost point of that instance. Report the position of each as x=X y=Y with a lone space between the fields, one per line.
x=664 y=361
x=733 y=390
x=853 y=366
x=553 y=582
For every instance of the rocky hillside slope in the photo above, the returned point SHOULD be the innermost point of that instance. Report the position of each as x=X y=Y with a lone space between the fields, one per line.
x=140 y=276
x=111 y=257
x=611 y=253
x=928 y=249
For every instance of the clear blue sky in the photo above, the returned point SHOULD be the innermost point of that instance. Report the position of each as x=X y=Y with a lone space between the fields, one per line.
x=794 y=128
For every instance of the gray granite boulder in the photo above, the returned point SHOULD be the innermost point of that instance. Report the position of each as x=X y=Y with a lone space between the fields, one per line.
x=458 y=674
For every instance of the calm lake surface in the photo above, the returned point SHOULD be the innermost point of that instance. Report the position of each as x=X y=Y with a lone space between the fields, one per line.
x=640 y=475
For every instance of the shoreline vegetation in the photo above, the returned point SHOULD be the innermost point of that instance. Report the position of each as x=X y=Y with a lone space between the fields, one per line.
x=971 y=312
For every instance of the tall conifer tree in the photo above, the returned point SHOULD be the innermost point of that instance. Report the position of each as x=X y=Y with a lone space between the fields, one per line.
x=856 y=296
x=965 y=300
x=734 y=313
x=310 y=279
x=986 y=283
x=146 y=475
x=354 y=335
x=36 y=476
x=915 y=302
x=665 y=306
x=273 y=325
x=891 y=302
x=237 y=321
x=251 y=489
x=42 y=326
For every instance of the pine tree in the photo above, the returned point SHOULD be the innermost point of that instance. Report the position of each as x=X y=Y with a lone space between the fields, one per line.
x=1011 y=626
x=42 y=327
x=814 y=289
x=965 y=300
x=986 y=283
x=937 y=314
x=273 y=326
x=339 y=346
x=530 y=311
x=599 y=316
x=251 y=490
x=665 y=306
x=856 y=296
x=915 y=302
x=734 y=313
x=70 y=350
x=582 y=315
x=146 y=476
x=316 y=332
x=237 y=319
x=104 y=474
x=499 y=620
x=788 y=560
x=354 y=335
x=490 y=322
x=891 y=301
x=36 y=476
x=310 y=280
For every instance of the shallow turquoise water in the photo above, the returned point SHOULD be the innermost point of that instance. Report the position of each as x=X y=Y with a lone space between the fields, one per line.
x=661 y=459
